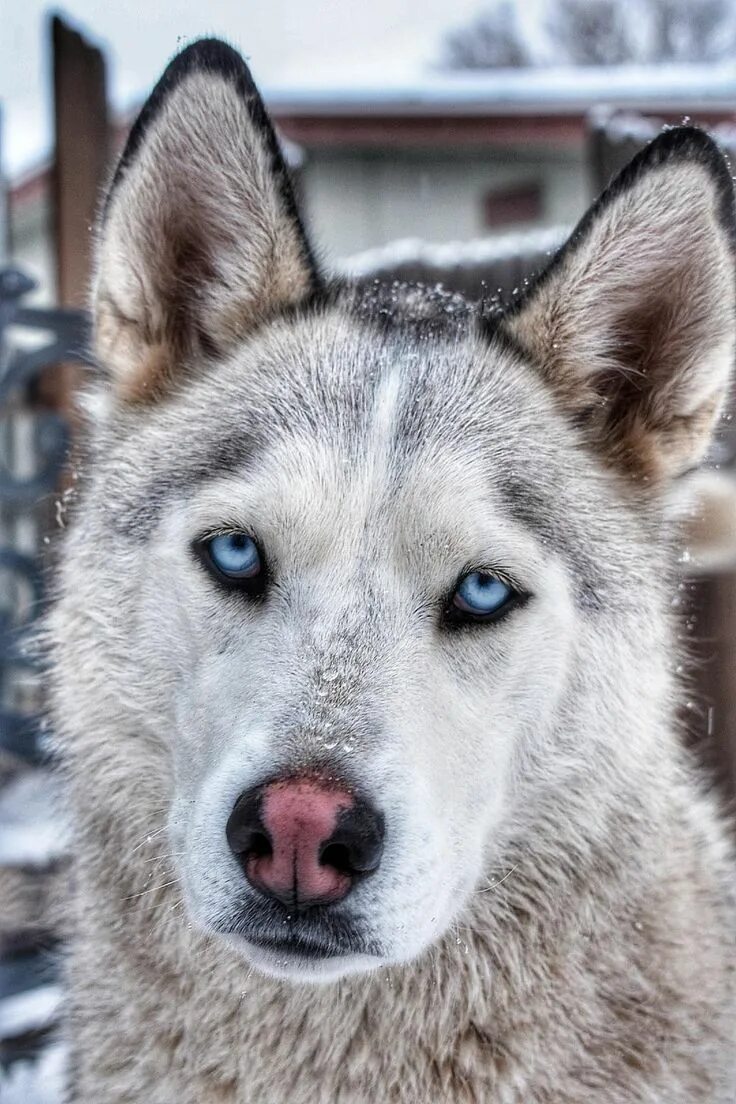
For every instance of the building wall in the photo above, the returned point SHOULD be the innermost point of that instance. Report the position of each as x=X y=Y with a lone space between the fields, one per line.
x=31 y=245
x=357 y=200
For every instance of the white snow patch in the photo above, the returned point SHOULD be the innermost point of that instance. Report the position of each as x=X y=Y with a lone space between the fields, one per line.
x=32 y=828
x=35 y=1010
x=40 y=1082
x=449 y=255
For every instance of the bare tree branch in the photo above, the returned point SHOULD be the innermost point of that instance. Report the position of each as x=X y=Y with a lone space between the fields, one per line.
x=591 y=32
x=598 y=32
x=492 y=41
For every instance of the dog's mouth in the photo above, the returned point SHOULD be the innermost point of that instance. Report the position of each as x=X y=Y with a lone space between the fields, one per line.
x=309 y=942
x=298 y=947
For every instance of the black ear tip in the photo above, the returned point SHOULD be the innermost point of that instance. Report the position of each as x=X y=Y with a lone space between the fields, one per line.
x=684 y=144
x=205 y=55
x=211 y=55
x=678 y=145
x=687 y=143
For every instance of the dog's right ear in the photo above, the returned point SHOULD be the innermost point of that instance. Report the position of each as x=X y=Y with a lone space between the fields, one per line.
x=200 y=238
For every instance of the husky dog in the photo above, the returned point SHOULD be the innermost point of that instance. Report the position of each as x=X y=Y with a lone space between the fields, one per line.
x=363 y=654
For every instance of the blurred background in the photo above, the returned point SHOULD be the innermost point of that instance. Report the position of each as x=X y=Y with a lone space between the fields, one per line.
x=442 y=123
x=454 y=143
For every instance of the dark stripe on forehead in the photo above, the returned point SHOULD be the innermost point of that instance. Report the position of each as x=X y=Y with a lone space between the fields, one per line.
x=132 y=513
x=451 y=387
x=201 y=449
x=327 y=407
x=550 y=522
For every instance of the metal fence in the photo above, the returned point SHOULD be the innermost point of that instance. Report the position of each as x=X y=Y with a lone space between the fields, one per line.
x=34 y=446
x=34 y=443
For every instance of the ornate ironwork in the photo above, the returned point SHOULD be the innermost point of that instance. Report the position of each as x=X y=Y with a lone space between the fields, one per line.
x=29 y=473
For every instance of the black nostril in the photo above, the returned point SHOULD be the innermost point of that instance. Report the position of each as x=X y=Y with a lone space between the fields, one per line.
x=259 y=845
x=337 y=855
x=356 y=845
x=246 y=833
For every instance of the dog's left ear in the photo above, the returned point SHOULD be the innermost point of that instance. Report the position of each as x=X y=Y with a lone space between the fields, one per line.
x=200 y=239
x=634 y=323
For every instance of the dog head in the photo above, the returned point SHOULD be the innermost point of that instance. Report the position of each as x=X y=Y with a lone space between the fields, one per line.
x=367 y=585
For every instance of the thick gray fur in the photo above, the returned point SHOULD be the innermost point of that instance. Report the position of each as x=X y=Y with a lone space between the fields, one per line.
x=554 y=919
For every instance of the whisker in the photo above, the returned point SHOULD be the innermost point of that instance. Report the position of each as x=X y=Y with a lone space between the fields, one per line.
x=495 y=884
x=153 y=889
x=169 y=855
x=158 y=906
x=148 y=838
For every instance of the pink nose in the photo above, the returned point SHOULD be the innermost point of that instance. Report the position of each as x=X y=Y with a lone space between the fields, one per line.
x=303 y=840
x=300 y=815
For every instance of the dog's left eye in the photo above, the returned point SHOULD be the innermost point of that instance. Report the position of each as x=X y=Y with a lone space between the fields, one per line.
x=481 y=597
x=233 y=557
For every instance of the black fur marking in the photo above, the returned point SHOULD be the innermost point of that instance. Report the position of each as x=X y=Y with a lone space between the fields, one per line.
x=677 y=145
x=214 y=57
x=536 y=513
x=137 y=515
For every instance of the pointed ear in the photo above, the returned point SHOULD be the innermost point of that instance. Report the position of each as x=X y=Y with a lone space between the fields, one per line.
x=200 y=239
x=633 y=323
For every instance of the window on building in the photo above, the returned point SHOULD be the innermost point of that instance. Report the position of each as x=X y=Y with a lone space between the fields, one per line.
x=521 y=202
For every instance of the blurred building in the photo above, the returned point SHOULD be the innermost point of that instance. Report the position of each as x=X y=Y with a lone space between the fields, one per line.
x=444 y=157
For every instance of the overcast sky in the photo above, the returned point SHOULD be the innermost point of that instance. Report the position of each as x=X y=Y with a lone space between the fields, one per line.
x=283 y=39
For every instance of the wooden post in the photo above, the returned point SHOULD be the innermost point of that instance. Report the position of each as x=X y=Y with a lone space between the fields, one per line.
x=79 y=173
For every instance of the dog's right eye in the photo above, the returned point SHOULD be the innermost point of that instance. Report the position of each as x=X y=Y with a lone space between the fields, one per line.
x=233 y=558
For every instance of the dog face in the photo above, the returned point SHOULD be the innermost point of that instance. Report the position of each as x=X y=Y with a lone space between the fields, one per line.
x=355 y=661
x=376 y=575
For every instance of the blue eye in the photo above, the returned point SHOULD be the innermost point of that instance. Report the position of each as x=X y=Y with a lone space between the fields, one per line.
x=480 y=596
x=234 y=555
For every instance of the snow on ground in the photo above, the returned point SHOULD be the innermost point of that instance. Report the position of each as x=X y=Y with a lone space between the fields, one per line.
x=40 y=1082
x=32 y=835
x=32 y=832
x=450 y=255
x=36 y=1010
